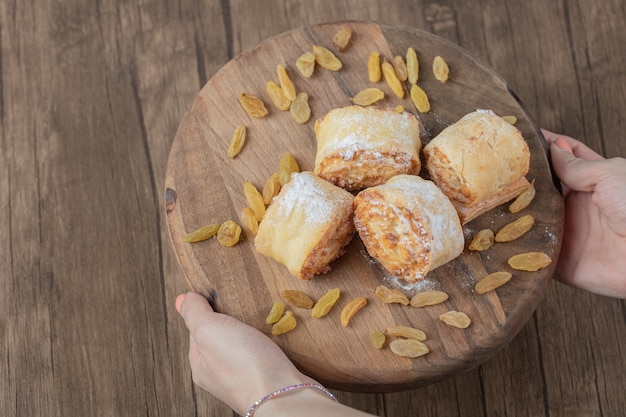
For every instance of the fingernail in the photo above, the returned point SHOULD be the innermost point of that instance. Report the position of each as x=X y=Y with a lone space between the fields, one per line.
x=556 y=148
x=563 y=145
x=179 y=302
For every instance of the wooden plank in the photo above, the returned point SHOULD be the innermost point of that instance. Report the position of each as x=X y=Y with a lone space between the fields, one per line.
x=26 y=373
x=91 y=135
x=91 y=94
x=97 y=103
x=565 y=97
x=171 y=63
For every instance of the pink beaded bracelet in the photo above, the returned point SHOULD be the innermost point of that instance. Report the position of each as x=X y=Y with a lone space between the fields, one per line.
x=285 y=390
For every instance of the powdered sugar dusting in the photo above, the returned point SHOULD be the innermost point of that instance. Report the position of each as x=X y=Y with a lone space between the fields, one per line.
x=427 y=194
x=368 y=128
x=392 y=281
x=423 y=284
x=307 y=193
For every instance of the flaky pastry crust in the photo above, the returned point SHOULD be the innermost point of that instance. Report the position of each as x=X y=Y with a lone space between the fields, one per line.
x=360 y=147
x=307 y=225
x=479 y=162
x=409 y=226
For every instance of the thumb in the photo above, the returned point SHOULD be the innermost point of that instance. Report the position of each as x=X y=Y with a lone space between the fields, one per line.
x=194 y=308
x=576 y=173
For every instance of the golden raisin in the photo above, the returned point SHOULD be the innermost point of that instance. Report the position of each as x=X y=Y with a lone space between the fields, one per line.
x=389 y=295
x=428 y=298
x=515 y=229
x=483 y=240
x=297 y=298
x=271 y=188
x=342 y=38
x=400 y=67
x=277 y=95
x=300 y=109
x=420 y=99
x=237 y=142
x=492 y=281
x=351 y=309
x=228 y=233
x=289 y=90
x=255 y=200
x=326 y=59
x=440 y=69
x=306 y=64
x=275 y=313
x=510 y=119
x=456 y=319
x=531 y=261
x=325 y=303
x=392 y=79
x=524 y=199
x=288 y=165
x=373 y=67
x=253 y=105
x=203 y=233
x=406 y=332
x=377 y=338
x=412 y=65
x=286 y=324
x=248 y=218
x=368 y=96
x=409 y=348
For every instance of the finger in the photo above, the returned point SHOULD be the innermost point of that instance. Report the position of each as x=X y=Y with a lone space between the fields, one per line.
x=549 y=136
x=179 y=302
x=575 y=146
x=576 y=173
x=194 y=309
x=579 y=149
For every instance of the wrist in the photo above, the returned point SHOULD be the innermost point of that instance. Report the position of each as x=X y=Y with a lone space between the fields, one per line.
x=263 y=383
x=294 y=399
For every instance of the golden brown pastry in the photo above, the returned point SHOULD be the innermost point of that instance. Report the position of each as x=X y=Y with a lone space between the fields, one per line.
x=359 y=147
x=409 y=226
x=307 y=225
x=479 y=162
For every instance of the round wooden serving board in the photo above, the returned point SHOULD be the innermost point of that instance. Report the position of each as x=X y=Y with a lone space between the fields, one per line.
x=203 y=185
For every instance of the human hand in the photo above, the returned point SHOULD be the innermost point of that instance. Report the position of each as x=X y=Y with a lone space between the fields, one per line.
x=240 y=365
x=233 y=361
x=593 y=256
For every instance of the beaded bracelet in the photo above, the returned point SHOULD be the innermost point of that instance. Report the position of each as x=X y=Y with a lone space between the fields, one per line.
x=285 y=390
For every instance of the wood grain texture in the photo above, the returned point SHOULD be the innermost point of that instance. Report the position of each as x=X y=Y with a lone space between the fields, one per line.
x=91 y=96
x=204 y=186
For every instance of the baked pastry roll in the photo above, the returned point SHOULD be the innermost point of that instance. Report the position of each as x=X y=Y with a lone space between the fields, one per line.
x=479 y=162
x=307 y=225
x=409 y=226
x=360 y=147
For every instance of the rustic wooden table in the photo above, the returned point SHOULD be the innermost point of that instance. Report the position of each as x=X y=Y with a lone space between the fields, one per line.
x=91 y=96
